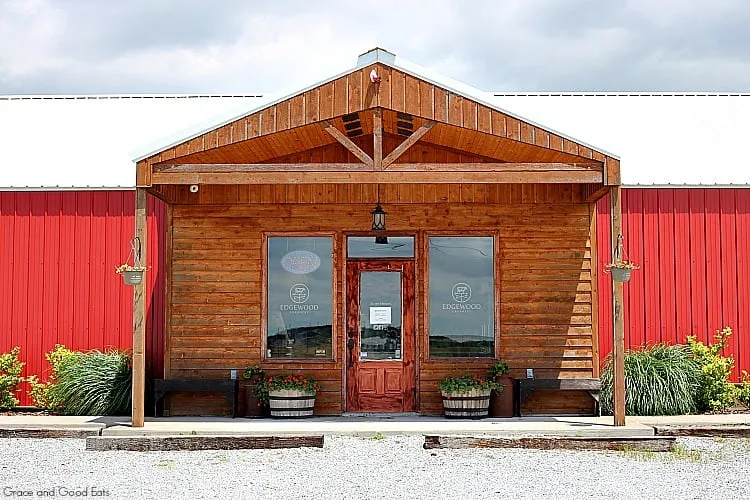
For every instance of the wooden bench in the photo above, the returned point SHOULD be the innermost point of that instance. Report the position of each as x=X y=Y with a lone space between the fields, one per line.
x=162 y=387
x=528 y=385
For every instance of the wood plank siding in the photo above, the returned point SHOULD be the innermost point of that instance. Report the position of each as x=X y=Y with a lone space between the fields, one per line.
x=543 y=268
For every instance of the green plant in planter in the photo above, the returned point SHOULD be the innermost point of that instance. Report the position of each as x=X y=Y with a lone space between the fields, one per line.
x=467 y=383
x=257 y=376
x=294 y=382
x=499 y=369
x=253 y=372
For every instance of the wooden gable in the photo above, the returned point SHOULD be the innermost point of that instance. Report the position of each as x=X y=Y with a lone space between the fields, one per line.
x=295 y=128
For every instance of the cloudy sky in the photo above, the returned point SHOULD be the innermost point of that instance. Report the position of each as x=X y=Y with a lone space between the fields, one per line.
x=251 y=47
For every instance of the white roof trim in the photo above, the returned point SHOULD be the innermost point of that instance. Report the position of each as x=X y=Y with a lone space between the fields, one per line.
x=378 y=55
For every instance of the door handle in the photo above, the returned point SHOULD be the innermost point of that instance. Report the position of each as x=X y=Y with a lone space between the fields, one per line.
x=350 y=345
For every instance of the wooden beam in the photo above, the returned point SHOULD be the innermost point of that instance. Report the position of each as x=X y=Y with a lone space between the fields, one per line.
x=214 y=168
x=618 y=345
x=409 y=142
x=139 y=315
x=377 y=139
x=376 y=177
x=143 y=174
x=612 y=171
x=347 y=143
x=496 y=167
x=597 y=194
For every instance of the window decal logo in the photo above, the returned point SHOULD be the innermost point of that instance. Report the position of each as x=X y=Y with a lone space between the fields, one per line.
x=299 y=293
x=300 y=262
x=461 y=292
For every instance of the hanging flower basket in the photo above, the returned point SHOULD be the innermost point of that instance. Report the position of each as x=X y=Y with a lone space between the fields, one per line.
x=132 y=275
x=621 y=270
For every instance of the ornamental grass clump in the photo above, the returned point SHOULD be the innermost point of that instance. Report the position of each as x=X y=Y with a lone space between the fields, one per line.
x=98 y=383
x=659 y=380
x=467 y=383
x=10 y=378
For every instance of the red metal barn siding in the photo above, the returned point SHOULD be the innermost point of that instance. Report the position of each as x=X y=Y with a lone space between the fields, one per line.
x=57 y=280
x=692 y=245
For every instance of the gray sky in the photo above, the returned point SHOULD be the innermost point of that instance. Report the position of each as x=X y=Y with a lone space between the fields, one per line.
x=257 y=46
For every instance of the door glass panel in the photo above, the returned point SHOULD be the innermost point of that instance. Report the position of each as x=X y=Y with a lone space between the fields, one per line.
x=380 y=315
x=380 y=246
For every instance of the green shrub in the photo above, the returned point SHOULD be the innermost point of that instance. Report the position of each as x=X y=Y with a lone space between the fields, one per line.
x=743 y=391
x=10 y=377
x=659 y=380
x=97 y=383
x=715 y=392
x=45 y=394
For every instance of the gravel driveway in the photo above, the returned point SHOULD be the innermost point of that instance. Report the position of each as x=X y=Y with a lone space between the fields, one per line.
x=366 y=468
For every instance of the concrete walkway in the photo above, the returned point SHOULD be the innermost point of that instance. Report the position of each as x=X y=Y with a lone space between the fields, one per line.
x=369 y=425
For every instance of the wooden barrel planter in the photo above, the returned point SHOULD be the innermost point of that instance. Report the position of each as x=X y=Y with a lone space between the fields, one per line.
x=472 y=404
x=291 y=403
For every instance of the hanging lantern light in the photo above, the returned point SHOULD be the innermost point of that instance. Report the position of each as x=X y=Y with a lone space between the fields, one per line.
x=378 y=218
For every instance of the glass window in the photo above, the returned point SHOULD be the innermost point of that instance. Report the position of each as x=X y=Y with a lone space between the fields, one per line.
x=300 y=290
x=462 y=296
x=380 y=246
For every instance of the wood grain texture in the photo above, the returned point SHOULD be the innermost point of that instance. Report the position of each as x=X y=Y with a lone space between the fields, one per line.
x=139 y=314
x=543 y=294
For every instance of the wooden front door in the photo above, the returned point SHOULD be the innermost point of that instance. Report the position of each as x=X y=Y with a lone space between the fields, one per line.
x=380 y=336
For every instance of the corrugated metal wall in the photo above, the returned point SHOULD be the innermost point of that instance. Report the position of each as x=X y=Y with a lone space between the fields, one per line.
x=694 y=249
x=58 y=251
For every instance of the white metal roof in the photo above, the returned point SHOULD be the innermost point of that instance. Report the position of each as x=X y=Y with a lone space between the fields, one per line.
x=49 y=142
x=662 y=139
x=64 y=142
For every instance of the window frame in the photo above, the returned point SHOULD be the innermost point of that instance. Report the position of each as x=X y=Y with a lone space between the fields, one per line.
x=335 y=250
x=425 y=246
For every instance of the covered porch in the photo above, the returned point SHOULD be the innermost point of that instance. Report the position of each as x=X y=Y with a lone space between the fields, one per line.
x=274 y=259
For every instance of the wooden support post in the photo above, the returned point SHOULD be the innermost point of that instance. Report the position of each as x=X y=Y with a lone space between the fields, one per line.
x=618 y=345
x=139 y=315
x=377 y=127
